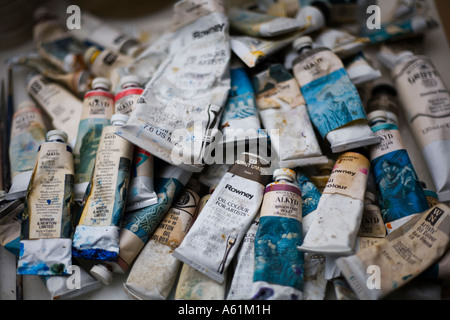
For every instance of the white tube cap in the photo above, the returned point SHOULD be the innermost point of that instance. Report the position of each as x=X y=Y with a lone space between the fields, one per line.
x=102 y=274
x=57 y=135
x=377 y=115
x=302 y=42
x=119 y=119
x=287 y=174
x=101 y=83
x=130 y=79
x=403 y=56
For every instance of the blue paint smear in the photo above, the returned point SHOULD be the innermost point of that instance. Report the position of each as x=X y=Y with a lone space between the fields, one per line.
x=42 y=269
x=310 y=193
x=95 y=254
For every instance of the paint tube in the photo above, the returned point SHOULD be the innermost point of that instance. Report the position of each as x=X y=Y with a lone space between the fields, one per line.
x=320 y=179
x=408 y=8
x=195 y=285
x=96 y=31
x=78 y=81
x=242 y=276
x=342 y=290
x=62 y=106
x=216 y=234
x=340 y=208
x=46 y=244
x=54 y=42
x=155 y=270
x=379 y=270
x=28 y=132
x=395 y=30
x=283 y=113
x=10 y=225
x=97 y=233
x=372 y=223
x=138 y=226
x=332 y=99
x=125 y=100
x=252 y=50
x=59 y=289
x=107 y=64
x=360 y=71
x=384 y=97
x=177 y=116
x=279 y=272
x=257 y=24
x=97 y=110
x=425 y=99
x=343 y=43
x=240 y=121
x=400 y=192
x=187 y=11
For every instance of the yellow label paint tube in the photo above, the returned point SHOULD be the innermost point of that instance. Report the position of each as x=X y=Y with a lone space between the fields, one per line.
x=28 y=132
x=284 y=114
x=252 y=23
x=215 y=236
x=243 y=270
x=253 y=50
x=54 y=42
x=61 y=105
x=278 y=271
x=379 y=270
x=333 y=101
x=340 y=209
x=46 y=244
x=425 y=100
x=98 y=108
x=155 y=270
x=177 y=117
x=195 y=285
x=97 y=233
x=139 y=225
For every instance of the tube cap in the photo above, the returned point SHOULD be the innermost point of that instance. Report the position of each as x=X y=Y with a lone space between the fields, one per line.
x=102 y=83
x=130 y=79
x=57 y=135
x=89 y=53
x=403 y=56
x=370 y=197
x=119 y=119
x=287 y=174
x=377 y=115
x=26 y=104
x=102 y=274
x=302 y=42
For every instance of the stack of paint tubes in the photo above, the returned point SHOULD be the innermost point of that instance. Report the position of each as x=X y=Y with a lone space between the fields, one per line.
x=252 y=152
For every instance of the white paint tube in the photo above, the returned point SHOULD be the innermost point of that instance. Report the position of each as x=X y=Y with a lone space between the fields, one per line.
x=343 y=43
x=54 y=42
x=425 y=100
x=242 y=276
x=46 y=243
x=195 y=285
x=284 y=114
x=96 y=236
x=252 y=50
x=255 y=24
x=360 y=71
x=97 y=110
x=10 y=225
x=28 y=132
x=138 y=225
x=279 y=272
x=155 y=270
x=105 y=35
x=340 y=208
x=187 y=11
x=62 y=106
x=177 y=117
x=333 y=102
x=215 y=236
x=379 y=270
x=59 y=289
x=240 y=121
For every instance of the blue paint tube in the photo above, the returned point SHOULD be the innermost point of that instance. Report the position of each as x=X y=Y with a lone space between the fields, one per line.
x=240 y=119
x=310 y=199
x=97 y=233
x=400 y=192
x=98 y=108
x=46 y=244
x=27 y=134
x=333 y=102
x=10 y=225
x=139 y=225
x=279 y=271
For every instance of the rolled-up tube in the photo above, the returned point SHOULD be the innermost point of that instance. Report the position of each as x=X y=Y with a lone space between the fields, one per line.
x=283 y=113
x=97 y=233
x=138 y=225
x=46 y=243
x=155 y=270
x=27 y=134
